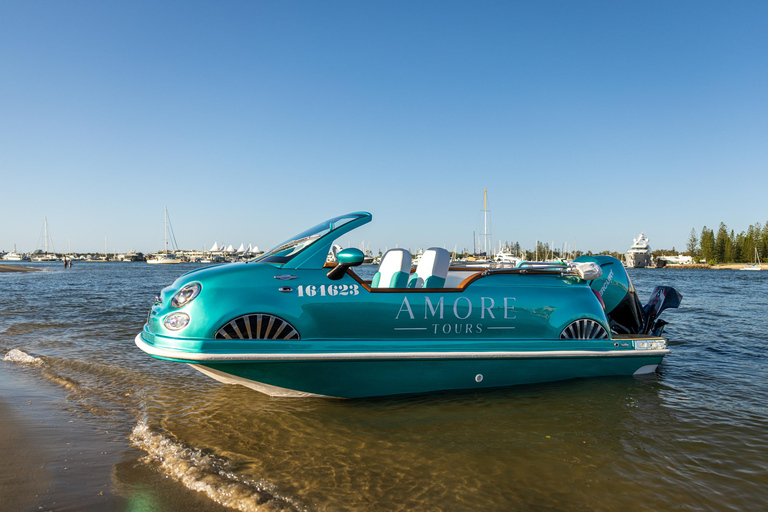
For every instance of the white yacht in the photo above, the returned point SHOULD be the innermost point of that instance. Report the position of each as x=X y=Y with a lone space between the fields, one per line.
x=506 y=259
x=15 y=256
x=639 y=255
x=162 y=258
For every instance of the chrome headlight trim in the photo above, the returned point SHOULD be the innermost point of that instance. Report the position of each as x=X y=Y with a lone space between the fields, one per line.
x=176 y=321
x=185 y=295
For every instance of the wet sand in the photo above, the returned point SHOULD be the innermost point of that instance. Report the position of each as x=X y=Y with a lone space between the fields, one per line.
x=17 y=268
x=47 y=463
x=55 y=456
x=24 y=479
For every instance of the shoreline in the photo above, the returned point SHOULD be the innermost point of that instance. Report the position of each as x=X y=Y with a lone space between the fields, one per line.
x=718 y=266
x=18 y=268
x=58 y=455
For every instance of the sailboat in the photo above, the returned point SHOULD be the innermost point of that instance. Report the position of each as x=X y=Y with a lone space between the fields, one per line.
x=46 y=256
x=756 y=265
x=485 y=259
x=164 y=257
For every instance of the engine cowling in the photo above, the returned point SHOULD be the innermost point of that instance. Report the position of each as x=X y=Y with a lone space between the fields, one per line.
x=622 y=306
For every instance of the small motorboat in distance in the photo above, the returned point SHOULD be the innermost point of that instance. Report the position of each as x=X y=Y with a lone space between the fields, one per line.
x=291 y=323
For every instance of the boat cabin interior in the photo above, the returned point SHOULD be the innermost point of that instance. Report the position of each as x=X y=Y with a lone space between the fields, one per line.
x=433 y=273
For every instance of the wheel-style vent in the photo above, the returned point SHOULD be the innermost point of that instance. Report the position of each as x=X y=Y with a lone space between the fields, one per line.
x=257 y=327
x=584 y=329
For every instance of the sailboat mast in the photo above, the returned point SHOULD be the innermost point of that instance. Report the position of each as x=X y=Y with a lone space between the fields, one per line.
x=485 y=223
x=46 y=236
x=166 y=230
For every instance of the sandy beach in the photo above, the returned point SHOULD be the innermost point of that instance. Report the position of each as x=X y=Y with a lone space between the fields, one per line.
x=735 y=266
x=25 y=480
x=50 y=457
x=58 y=457
x=17 y=268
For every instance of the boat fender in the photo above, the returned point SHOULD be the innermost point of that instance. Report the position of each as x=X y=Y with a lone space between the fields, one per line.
x=588 y=270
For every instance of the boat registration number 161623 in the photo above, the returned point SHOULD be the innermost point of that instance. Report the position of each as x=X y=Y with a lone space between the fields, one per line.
x=332 y=290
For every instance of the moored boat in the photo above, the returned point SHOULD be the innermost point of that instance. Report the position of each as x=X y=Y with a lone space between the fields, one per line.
x=15 y=256
x=46 y=256
x=162 y=258
x=757 y=265
x=639 y=255
x=166 y=257
x=291 y=324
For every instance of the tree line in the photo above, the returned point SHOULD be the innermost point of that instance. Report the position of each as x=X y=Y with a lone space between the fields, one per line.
x=727 y=246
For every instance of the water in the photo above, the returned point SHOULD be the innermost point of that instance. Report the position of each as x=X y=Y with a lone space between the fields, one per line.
x=694 y=437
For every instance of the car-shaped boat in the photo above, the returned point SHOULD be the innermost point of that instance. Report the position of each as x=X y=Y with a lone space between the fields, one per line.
x=291 y=323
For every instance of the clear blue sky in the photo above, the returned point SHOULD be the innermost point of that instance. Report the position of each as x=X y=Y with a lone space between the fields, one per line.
x=586 y=121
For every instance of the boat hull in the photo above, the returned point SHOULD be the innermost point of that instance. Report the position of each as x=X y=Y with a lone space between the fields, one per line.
x=360 y=378
x=163 y=262
x=381 y=373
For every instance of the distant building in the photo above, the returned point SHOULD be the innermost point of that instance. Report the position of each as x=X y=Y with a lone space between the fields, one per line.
x=677 y=260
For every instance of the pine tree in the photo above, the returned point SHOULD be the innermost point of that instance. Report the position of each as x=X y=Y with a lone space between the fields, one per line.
x=730 y=248
x=720 y=243
x=707 y=243
x=762 y=247
x=693 y=243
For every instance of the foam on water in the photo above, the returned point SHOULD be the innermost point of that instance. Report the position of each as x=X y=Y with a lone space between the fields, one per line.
x=18 y=356
x=205 y=472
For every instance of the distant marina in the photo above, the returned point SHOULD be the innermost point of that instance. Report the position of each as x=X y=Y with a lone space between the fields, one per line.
x=639 y=255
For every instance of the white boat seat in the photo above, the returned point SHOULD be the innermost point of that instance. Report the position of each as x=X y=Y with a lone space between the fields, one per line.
x=432 y=269
x=394 y=269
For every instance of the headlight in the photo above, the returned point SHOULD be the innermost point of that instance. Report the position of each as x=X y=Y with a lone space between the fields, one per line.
x=650 y=345
x=185 y=295
x=176 y=321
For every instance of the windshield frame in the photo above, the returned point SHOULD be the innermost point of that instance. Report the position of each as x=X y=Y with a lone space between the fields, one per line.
x=306 y=248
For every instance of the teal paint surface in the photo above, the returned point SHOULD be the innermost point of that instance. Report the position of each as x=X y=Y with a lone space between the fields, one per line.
x=497 y=312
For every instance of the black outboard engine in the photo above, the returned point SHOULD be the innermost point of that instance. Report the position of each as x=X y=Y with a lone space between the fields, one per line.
x=626 y=315
x=662 y=297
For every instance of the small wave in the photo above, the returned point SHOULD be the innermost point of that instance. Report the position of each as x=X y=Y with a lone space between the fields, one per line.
x=205 y=472
x=21 y=357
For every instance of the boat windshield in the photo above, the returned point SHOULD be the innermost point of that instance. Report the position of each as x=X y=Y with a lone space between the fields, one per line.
x=287 y=250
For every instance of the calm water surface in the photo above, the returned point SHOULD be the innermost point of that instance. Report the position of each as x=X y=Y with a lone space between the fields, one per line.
x=694 y=437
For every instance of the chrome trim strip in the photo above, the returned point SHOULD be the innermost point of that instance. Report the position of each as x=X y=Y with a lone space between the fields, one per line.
x=191 y=356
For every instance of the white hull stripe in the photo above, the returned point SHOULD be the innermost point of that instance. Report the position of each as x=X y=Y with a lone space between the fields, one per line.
x=267 y=389
x=193 y=356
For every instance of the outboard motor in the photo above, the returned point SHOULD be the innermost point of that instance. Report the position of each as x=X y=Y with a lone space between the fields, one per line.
x=662 y=297
x=626 y=315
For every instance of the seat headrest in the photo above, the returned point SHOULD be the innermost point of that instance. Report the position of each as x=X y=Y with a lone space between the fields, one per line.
x=393 y=270
x=395 y=260
x=432 y=269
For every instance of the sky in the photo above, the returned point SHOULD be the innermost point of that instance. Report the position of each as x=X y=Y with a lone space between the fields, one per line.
x=587 y=122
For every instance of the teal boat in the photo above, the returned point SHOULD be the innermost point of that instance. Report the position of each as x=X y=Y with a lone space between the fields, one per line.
x=291 y=323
